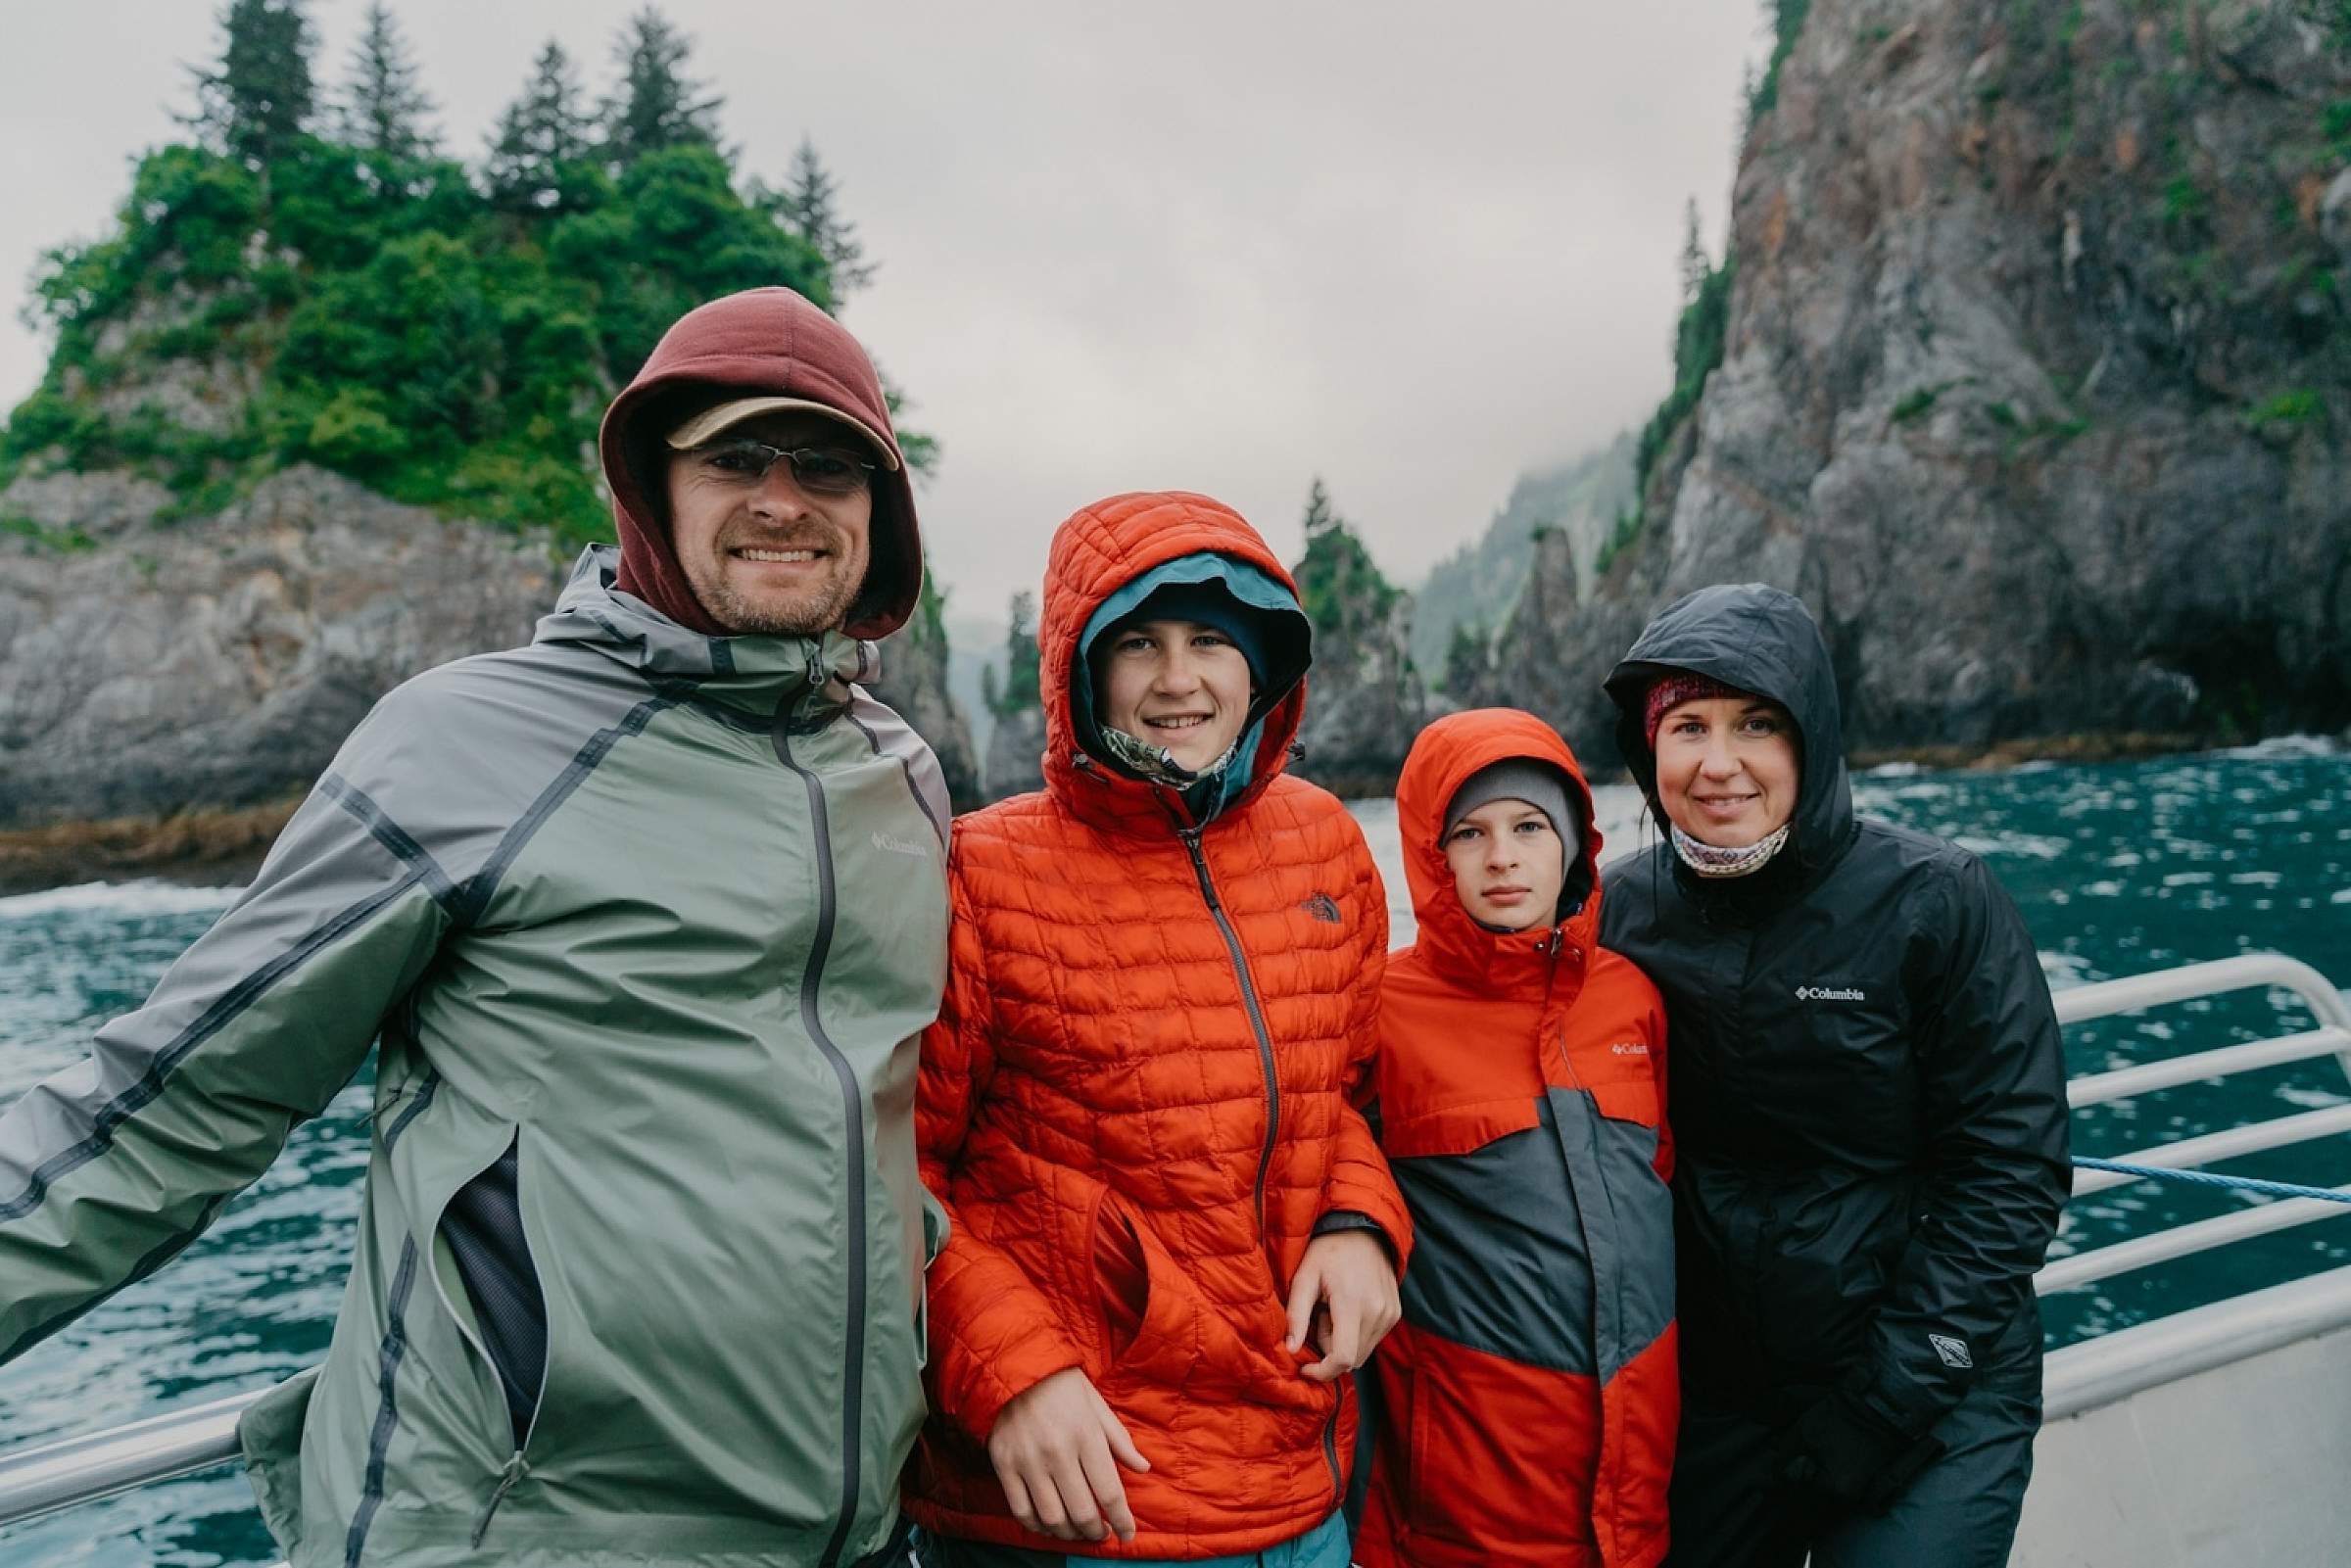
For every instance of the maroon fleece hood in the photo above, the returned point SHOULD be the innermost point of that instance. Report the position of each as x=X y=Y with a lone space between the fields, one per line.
x=759 y=341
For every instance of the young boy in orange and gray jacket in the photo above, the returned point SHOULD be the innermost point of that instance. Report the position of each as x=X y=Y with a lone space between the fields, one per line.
x=1530 y=1393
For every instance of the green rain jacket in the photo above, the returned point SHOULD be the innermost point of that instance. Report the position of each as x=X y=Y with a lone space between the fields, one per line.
x=653 y=920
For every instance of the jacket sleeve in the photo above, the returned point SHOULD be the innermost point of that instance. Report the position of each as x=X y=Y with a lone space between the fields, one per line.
x=994 y=1334
x=1994 y=1171
x=110 y=1167
x=1360 y=1180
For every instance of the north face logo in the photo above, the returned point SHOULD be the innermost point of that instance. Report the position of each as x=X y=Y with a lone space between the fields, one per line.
x=1953 y=1351
x=1324 y=907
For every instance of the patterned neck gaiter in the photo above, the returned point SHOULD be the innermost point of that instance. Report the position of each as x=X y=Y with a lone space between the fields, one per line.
x=1709 y=861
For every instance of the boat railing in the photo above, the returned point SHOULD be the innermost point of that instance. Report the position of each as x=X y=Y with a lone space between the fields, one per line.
x=2192 y=982
x=44 y=1478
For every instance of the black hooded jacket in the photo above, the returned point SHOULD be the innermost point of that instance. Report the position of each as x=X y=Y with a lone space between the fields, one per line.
x=1868 y=1082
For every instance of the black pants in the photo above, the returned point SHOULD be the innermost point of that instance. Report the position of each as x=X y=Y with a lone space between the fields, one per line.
x=1731 y=1509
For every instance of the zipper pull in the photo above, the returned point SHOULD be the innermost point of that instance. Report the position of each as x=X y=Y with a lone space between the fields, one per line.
x=516 y=1469
x=1208 y=888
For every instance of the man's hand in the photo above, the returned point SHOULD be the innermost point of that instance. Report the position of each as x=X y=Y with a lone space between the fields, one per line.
x=1053 y=1448
x=1344 y=1294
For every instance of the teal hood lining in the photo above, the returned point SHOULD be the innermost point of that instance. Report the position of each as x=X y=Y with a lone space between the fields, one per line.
x=1289 y=657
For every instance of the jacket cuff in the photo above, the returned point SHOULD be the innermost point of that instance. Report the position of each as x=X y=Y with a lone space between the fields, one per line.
x=1344 y=1219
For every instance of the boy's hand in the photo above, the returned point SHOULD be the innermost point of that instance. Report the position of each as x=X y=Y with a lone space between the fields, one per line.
x=1345 y=1294
x=1054 y=1447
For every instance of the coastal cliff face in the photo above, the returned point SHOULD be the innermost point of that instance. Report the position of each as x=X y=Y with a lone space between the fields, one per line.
x=914 y=681
x=1541 y=668
x=217 y=662
x=1016 y=749
x=2037 y=382
x=151 y=672
x=1365 y=699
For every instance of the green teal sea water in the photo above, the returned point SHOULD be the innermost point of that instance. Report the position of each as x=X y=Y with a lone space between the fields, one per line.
x=2119 y=869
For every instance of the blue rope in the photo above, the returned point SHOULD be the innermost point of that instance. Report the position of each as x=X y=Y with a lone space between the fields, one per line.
x=2206 y=1179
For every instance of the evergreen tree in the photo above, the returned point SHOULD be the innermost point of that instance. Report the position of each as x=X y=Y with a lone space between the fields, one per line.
x=1466 y=659
x=1320 y=518
x=1018 y=690
x=541 y=134
x=1697 y=267
x=261 y=97
x=809 y=208
x=1339 y=586
x=384 y=109
x=655 y=106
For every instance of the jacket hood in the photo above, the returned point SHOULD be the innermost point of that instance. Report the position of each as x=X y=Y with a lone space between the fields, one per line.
x=768 y=339
x=1443 y=757
x=1759 y=640
x=1100 y=549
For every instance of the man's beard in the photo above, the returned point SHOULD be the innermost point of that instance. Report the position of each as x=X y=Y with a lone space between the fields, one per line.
x=819 y=608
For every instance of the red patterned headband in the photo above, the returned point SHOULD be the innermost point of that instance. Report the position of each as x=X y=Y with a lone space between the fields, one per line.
x=1673 y=690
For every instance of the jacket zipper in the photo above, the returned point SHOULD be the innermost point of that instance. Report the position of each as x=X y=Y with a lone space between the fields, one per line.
x=1257 y=1021
x=1330 y=1438
x=853 y=1371
x=1265 y=1061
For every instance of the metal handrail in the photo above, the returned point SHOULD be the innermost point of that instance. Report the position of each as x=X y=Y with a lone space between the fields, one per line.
x=2199 y=1066
x=41 y=1480
x=2192 y=982
x=81 y=1469
x=2081 y=1002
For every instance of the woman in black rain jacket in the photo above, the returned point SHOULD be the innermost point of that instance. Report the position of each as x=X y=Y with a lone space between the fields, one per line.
x=1869 y=1100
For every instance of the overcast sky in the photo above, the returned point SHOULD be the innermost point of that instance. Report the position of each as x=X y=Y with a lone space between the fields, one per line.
x=1216 y=246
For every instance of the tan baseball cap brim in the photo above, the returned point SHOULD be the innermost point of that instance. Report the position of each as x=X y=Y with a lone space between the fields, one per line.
x=710 y=421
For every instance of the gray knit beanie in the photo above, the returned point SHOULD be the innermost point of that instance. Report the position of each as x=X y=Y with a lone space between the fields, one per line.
x=1540 y=785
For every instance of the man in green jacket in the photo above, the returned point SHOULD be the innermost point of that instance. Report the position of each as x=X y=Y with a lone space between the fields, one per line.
x=647 y=917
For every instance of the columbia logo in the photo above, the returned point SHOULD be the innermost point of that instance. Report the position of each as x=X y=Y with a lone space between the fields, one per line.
x=1824 y=993
x=1953 y=1351
x=1324 y=907
x=899 y=846
x=1629 y=1048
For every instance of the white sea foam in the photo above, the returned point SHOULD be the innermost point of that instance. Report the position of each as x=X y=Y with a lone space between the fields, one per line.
x=2285 y=747
x=133 y=900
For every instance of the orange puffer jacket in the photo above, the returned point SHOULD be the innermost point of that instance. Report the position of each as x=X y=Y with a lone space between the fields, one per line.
x=1097 y=1068
x=1531 y=1394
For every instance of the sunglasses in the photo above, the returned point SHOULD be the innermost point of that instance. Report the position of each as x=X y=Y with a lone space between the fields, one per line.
x=743 y=462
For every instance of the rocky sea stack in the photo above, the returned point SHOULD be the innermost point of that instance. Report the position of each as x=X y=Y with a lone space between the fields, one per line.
x=2034 y=379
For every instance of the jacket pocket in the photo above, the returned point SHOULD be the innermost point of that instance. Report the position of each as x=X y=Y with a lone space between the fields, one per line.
x=482 y=1227
x=1121 y=1279
x=1180 y=1338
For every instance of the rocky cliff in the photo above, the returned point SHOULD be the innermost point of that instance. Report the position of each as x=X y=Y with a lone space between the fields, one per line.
x=166 y=688
x=1016 y=749
x=1475 y=587
x=1366 y=698
x=914 y=681
x=2037 y=382
x=217 y=662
